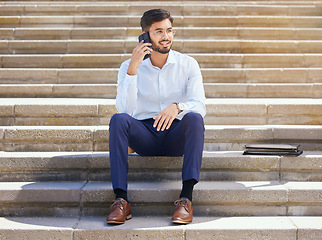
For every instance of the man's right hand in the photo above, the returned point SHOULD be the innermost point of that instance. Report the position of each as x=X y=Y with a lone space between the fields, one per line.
x=137 y=56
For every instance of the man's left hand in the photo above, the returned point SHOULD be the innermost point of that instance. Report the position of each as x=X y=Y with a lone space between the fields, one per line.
x=166 y=117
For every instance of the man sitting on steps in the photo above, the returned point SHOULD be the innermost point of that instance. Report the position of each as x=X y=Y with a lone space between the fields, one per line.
x=161 y=104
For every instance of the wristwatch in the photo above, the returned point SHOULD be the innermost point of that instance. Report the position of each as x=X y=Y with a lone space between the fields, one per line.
x=180 y=107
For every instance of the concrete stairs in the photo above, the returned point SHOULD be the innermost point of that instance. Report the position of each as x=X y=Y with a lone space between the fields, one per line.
x=262 y=66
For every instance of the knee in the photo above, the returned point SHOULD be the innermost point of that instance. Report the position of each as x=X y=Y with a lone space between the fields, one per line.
x=119 y=119
x=194 y=120
x=193 y=117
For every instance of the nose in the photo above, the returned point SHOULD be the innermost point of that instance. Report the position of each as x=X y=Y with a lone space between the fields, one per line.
x=165 y=34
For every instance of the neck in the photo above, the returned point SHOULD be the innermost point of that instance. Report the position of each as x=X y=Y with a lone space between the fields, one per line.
x=158 y=59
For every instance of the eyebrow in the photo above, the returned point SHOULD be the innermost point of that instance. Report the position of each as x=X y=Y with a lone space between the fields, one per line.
x=162 y=28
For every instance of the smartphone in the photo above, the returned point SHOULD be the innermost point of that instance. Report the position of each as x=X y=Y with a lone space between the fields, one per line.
x=146 y=37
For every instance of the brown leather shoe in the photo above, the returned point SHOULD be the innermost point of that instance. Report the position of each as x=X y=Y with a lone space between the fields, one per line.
x=184 y=211
x=120 y=211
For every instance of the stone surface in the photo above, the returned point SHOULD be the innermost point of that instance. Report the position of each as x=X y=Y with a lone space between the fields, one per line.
x=13 y=76
x=211 y=192
x=45 y=160
x=187 y=46
x=273 y=60
x=56 y=110
x=301 y=133
x=6 y=34
x=9 y=21
x=305 y=210
x=306 y=161
x=85 y=90
x=12 y=61
x=99 y=33
x=253 y=228
x=95 y=46
x=233 y=133
x=48 y=134
x=45 y=21
x=37 y=228
x=233 y=137
x=212 y=90
x=162 y=228
x=92 y=61
x=25 y=90
x=224 y=165
x=220 y=112
x=157 y=228
x=40 y=192
x=38 y=46
x=303 y=192
x=251 y=51
x=6 y=110
x=308 y=227
x=312 y=60
x=291 y=90
x=42 y=33
x=72 y=76
x=314 y=75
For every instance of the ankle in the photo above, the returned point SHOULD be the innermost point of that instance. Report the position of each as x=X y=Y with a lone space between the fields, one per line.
x=187 y=188
x=120 y=193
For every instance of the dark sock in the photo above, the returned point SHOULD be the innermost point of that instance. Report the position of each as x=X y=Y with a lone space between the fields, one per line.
x=187 y=188
x=120 y=193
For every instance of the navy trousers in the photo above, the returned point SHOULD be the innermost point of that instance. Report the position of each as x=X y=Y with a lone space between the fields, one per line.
x=184 y=137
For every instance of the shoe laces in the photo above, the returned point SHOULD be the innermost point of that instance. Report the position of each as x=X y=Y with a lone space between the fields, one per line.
x=181 y=202
x=118 y=202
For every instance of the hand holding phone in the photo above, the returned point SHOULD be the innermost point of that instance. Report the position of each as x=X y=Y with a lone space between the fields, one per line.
x=139 y=53
x=146 y=37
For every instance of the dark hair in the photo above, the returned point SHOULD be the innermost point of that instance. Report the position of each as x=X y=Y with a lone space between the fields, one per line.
x=152 y=16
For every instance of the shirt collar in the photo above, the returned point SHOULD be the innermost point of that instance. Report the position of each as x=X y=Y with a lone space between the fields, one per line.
x=171 y=58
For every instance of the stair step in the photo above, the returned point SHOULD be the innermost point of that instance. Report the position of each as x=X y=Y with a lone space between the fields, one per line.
x=235 y=111
x=62 y=90
x=264 y=90
x=181 y=32
x=216 y=166
x=70 y=60
x=109 y=75
x=57 y=76
x=180 y=21
x=212 y=90
x=233 y=2
x=206 y=60
x=53 y=111
x=54 y=159
x=177 y=8
x=160 y=227
x=185 y=46
x=95 y=138
x=210 y=198
x=262 y=75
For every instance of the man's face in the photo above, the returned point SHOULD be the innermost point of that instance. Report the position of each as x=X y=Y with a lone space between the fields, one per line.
x=160 y=38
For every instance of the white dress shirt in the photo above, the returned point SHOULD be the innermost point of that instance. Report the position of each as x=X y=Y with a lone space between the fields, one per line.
x=146 y=94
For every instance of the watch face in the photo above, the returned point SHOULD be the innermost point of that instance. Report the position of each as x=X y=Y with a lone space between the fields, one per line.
x=180 y=106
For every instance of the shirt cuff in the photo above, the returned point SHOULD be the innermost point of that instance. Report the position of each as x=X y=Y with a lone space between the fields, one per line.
x=129 y=79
